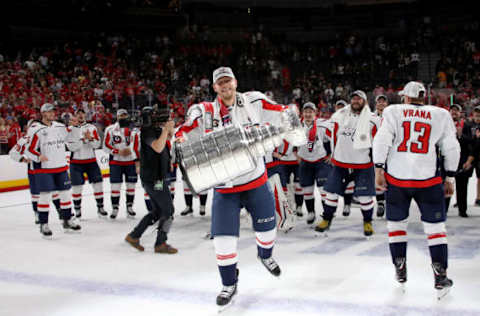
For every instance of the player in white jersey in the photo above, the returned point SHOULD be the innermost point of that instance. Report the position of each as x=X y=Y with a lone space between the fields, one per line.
x=381 y=102
x=83 y=160
x=351 y=132
x=118 y=144
x=314 y=164
x=250 y=190
x=405 y=156
x=194 y=113
x=48 y=155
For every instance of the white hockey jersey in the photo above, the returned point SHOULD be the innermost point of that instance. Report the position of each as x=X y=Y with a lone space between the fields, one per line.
x=118 y=138
x=342 y=137
x=407 y=144
x=85 y=153
x=250 y=108
x=314 y=150
x=17 y=151
x=50 y=141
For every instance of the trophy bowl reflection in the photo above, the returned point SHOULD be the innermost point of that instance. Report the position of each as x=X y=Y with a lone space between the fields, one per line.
x=225 y=154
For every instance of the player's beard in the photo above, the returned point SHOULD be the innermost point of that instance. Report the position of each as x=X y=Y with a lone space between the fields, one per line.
x=356 y=107
x=228 y=96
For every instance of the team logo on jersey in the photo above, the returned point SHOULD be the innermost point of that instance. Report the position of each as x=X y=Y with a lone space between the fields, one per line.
x=117 y=139
x=216 y=123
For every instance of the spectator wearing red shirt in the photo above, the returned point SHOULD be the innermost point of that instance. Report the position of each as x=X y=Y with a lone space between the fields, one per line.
x=14 y=131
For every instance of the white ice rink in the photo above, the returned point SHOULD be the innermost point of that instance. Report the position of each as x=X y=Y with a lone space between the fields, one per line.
x=97 y=273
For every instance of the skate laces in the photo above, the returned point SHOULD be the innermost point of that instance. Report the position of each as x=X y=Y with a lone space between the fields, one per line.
x=227 y=291
x=270 y=263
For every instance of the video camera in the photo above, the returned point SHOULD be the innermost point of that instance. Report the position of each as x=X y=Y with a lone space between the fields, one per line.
x=155 y=116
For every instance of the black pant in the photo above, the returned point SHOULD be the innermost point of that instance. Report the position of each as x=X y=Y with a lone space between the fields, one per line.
x=162 y=211
x=461 y=182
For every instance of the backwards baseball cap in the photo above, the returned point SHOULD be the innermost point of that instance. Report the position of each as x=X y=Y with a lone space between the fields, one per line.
x=360 y=94
x=309 y=105
x=412 y=89
x=47 y=107
x=222 y=72
x=456 y=106
x=381 y=96
x=121 y=112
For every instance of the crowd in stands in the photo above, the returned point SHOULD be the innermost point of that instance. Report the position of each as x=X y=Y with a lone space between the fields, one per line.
x=129 y=71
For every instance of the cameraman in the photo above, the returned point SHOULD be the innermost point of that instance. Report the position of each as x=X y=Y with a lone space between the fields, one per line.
x=157 y=128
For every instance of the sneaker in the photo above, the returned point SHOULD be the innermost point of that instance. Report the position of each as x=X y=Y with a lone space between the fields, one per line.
x=101 y=212
x=45 y=230
x=130 y=212
x=114 y=213
x=165 y=248
x=323 y=226
x=70 y=225
x=134 y=242
x=188 y=210
x=368 y=229
x=227 y=293
x=78 y=213
x=381 y=209
x=271 y=265
x=202 y=210
x=346 y=210
x=401 y=269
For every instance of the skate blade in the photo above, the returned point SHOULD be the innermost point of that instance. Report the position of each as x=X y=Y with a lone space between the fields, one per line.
x=321 y=234
x=367 y=238
x=442 y=293
x=71 y=231
x=221 y=309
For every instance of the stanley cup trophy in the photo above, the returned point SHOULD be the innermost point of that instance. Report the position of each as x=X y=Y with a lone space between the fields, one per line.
x=223 y=155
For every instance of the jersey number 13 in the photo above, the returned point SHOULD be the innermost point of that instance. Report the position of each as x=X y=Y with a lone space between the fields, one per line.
x=420 y=146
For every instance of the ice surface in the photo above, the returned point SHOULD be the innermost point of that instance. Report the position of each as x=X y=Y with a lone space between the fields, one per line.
x=97 y=273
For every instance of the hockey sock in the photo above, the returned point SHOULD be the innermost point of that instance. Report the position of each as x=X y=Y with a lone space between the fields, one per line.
x=115 y=195
x=347 y=199
x=226 y=252
x=203 y=199
x=330 y=206
x=98 y=193
x=397 y=238
x=380 y=197
x=77 y=196
x=366 y=205
x=43 y=207
x=130 y=194
x=310 y=204
x=56 y=202
x=65 y=204
x=437 y=242
x=265 y=242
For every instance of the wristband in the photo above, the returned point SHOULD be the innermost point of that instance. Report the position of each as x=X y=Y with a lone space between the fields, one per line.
x=380 y=165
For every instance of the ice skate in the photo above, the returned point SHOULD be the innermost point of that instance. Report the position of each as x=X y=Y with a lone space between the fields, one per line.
x=45 y=231
x=187 y=211
x=70 y=226
x=202 y=210
x=130 y=212
x=368 y=229
x=78 y=213
x=227 y=296
x=401 y=272
x=114 y=213
x=442 y=283
x=271 y=265
x=101 y=212
x=310 y=218
x=323 y=227
x=346 y=210
x=299 y=211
